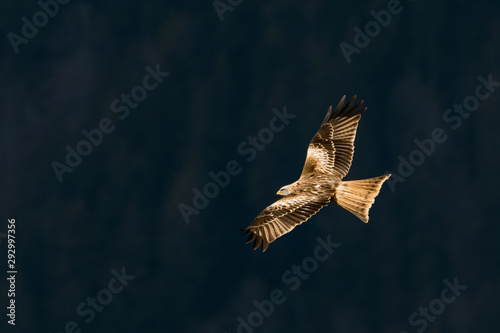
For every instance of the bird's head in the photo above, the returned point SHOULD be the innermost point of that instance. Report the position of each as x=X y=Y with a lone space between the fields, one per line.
x=285 y=190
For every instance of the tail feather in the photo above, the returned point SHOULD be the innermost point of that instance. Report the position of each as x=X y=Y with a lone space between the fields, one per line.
x=357 y=196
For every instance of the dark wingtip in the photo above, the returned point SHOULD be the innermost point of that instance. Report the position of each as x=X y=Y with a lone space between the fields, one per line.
x=258 y=241
x=251 y=237
x=265 y=245
x=328 y=113
x=350 y=109
x=342 y=100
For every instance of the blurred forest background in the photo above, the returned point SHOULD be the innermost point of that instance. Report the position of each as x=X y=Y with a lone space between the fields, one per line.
x=119 y=208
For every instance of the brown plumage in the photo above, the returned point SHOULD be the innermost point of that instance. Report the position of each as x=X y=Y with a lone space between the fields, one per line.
x=328 y=161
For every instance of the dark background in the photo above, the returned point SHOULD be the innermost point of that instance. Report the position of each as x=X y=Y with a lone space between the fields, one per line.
x=119 y=207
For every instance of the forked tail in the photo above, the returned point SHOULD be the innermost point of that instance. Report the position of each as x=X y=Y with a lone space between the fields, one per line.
x=357 y=196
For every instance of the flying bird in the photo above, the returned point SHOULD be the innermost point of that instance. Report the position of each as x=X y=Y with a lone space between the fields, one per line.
x=328 y=160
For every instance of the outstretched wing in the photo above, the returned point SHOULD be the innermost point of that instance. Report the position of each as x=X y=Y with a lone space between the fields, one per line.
x=282 y=216
x=331 y=149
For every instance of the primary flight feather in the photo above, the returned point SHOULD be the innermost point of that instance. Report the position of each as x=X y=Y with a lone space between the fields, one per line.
x=328 y=160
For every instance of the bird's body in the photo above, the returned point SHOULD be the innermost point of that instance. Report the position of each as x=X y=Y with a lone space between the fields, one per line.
x=314 y=184
x=328 y=160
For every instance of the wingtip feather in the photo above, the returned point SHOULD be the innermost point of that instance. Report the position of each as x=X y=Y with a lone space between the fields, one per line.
x=347 y=110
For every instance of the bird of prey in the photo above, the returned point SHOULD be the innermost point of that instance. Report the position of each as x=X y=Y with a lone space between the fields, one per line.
x=328 y=160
